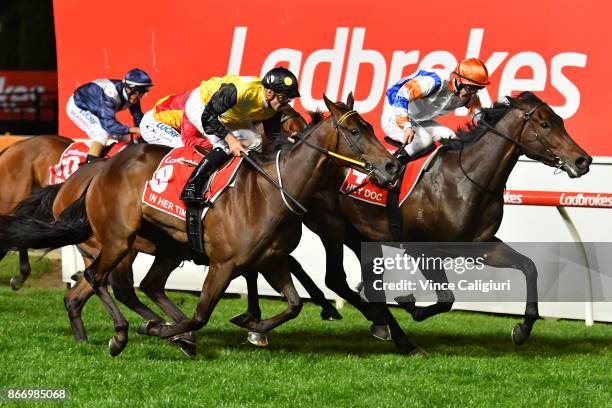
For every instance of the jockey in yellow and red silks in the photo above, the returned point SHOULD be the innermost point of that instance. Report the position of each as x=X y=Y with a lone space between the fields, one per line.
x=224 y=109
x=414 y=102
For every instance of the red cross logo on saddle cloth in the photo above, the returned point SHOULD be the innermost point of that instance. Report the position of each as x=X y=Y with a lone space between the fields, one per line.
x=373 y=194
x=162 y=192
x=73 y=157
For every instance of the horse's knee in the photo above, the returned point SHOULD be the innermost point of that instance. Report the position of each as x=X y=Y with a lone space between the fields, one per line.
x=295 y=309
x=529 y=268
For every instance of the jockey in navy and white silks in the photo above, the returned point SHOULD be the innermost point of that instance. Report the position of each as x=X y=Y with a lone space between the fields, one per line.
x=93 y=107
x=414 y=102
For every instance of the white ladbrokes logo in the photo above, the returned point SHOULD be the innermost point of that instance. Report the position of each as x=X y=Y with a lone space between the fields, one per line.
x=384 y=74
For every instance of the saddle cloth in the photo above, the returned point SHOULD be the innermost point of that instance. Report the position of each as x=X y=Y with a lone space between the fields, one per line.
x=74 y=156
x=162 y=192
x=371 y=193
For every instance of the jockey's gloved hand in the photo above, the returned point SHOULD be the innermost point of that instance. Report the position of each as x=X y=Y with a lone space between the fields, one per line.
x=234 y=145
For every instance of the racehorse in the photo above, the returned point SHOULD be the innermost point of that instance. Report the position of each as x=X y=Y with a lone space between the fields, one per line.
x=116 y=216
x=458 y=198
x=24 y=168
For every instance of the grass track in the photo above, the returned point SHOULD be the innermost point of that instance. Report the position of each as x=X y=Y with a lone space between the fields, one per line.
x=309 y=362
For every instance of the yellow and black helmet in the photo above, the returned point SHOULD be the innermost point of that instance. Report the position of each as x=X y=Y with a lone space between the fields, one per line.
x=282 y=81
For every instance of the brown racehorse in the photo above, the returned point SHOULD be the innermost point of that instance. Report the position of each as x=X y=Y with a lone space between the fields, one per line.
x=52 y=200
x=24 y=167
x=459 y=198
x=249 y=228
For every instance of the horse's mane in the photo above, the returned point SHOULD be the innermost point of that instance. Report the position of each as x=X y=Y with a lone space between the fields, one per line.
x=282 y=143
x=473 y=132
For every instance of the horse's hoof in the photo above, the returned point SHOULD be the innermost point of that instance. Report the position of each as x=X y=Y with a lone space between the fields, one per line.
x=242 y=320
x=187 y=343
x=146 y=328
x=520 y=334
x=418 y=352
x=257 y=339
x=16 y=283
x=408 y=303
x=381 y=332
x=115 y=347
x=330 y=314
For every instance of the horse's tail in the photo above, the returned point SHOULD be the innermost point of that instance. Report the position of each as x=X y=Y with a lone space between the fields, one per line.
x=24 y=231
x=39 y=205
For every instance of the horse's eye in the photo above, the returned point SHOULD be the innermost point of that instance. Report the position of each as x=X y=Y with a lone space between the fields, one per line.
x=355 y=132
x=545 y=125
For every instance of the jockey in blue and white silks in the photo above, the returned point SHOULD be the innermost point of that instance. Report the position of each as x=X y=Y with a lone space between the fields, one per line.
x=93 y=107
x=414 y=102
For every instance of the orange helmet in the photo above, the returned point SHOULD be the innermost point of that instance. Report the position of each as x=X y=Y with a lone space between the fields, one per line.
x=470 y=71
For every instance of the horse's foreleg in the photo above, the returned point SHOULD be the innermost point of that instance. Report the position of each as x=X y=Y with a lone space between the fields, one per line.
x=154 y=283
x=217 y=280
x=329 y=312
x=446 y=298
x=253 y=313
x=280 y=279
x=122 y=282
x=24 y=270
x=503 y=256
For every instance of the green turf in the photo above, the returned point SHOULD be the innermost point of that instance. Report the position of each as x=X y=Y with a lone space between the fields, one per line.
x=9 y=266
x=309 y=362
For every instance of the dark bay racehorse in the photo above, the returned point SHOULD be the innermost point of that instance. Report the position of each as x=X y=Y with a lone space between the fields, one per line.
x=116 y=216
x=459 y=198
x=53 y=200
x=24 y=167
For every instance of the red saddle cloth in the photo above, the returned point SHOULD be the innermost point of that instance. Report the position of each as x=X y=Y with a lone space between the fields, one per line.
x=73 y=157
x=162 y=192
x=373 y=194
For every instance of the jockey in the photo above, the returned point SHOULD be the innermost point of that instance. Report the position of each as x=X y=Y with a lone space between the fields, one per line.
x=224 y=109
x=93 y=107
x=415 y=101
x=166 y=124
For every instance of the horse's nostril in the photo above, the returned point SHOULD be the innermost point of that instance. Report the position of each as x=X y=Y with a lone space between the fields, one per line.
x=582 y=162
x=392 y=167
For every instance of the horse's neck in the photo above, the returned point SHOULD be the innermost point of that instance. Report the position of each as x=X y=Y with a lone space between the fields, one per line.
x=490 y=160
x=303 y=167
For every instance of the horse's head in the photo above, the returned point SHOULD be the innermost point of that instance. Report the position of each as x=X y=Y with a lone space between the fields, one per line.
x=546 y=139
x=356 y=140
x=291 y=121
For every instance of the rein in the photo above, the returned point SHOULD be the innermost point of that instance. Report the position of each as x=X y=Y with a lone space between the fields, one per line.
x=550 y=156
x=361 y=162
x=279 y=185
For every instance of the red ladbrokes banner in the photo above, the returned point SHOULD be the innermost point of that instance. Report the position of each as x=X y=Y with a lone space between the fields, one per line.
x=554 y=48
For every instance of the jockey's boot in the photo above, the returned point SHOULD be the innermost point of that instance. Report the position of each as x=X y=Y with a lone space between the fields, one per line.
x=95 y=151
x=90 y=158
x=193 y=192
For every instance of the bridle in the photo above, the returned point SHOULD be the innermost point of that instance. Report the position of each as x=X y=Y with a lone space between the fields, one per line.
x=549 y=157
x=341 y=130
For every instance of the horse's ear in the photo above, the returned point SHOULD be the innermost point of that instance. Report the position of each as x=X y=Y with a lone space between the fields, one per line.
x=350 y=101
x=333 y=109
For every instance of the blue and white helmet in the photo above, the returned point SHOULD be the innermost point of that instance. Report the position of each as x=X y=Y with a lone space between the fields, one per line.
x=138 y=80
